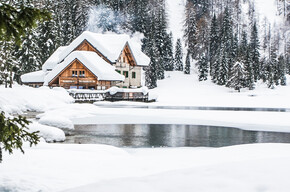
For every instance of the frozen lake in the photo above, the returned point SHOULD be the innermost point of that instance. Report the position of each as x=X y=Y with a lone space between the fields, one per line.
x=134 y=135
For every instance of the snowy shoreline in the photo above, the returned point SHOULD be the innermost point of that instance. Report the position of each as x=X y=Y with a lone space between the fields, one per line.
x=74 y=167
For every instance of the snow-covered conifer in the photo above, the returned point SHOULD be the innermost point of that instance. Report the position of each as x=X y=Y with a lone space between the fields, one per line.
x=237 y=76
x=187 y=64
x=178 y=63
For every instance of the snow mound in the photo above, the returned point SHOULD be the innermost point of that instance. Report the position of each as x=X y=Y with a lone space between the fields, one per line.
x=56 y=121
x=33 y=77
x=114 y=90
x=50 y=134
x=23 y=98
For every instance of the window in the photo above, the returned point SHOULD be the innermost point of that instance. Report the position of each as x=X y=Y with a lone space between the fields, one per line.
x=74 y=73
x=82 y=73
x=118 y=71
x=125 y=73
x=133 y=75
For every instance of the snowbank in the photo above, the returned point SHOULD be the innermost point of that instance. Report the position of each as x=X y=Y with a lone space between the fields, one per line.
x=33 y=77
x=57 y=167
x=50 y=134
x=57 y=121
x=114 y=90
x=23 y=98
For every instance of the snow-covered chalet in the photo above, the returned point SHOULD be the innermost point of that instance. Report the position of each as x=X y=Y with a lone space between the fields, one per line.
x=93 y=61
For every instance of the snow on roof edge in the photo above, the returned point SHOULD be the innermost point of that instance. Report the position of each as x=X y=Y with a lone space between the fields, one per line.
x=102 y=70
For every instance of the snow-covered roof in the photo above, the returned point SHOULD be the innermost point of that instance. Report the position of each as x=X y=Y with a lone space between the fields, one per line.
x=140 y=58
x=54 y=59
x=91 y=61
x=110 y=45
x=33 y=77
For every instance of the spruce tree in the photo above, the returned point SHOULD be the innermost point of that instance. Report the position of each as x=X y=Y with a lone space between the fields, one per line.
x=203 y=68
x=222 y=71
x=190 y=29
x=282 y=70
x=225 y=50
x=187 y=64
x=178 y=63
x=213 y=47
x=254 y=51
x=274 y=64
x=14 y=133
x=28 y=55
x=244 y=56
x=151 y=71
x=160 y=35
x=237 y=76
x=168 y=49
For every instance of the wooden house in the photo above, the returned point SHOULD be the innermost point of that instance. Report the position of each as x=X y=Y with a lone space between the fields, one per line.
x=95 y=61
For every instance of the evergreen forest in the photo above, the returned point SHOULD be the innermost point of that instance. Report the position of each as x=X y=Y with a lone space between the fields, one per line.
x=220 y=42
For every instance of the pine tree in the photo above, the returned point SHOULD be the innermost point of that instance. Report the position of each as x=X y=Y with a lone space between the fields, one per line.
x=237 y=76
x=187 y=64
x=235 y=48
x=168 y=49
x=213 y=48
x=190 y=29
x=203 y=68
x=28 y=55
x=151 y=71
x=274 y=64
x=287 y=61
x=160 y=35
x=13 y=133
x=282 y=70
x=225 y=50
x=249 y=71
x=178 y=63
x=244 y=56
x=9 y=63
x=263 y=69
x=270 y=74
x=254 y=51
x=140 y=10
x=222 y=71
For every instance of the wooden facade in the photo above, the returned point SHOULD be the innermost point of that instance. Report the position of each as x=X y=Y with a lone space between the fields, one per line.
x=86 y=46
x=127 y=56
x=76 y=75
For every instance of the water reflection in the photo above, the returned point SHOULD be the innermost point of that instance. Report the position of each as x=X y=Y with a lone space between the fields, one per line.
x=170 y=136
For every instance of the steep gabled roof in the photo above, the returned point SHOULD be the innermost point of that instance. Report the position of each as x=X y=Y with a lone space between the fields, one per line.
x=54 y=59
x=92 y=62
x=109 y=45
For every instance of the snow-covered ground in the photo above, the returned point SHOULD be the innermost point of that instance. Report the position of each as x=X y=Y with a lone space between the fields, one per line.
x=58 y=167
x=20 y=99
x=23 y=98
x=179 y=89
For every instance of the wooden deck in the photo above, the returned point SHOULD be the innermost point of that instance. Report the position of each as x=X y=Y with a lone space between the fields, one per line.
x=93 y=96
